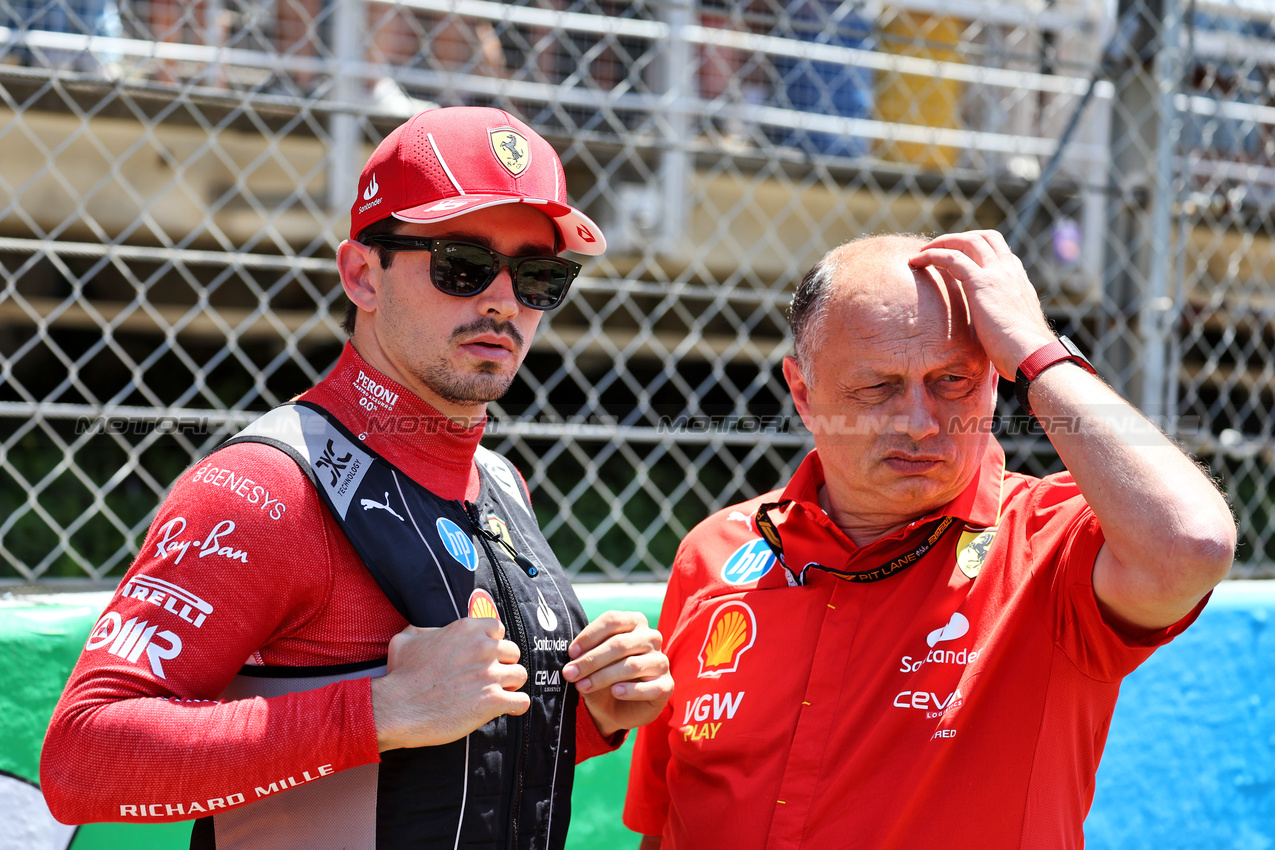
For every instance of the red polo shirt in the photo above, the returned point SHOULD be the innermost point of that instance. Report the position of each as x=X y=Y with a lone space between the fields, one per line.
x=928 y=709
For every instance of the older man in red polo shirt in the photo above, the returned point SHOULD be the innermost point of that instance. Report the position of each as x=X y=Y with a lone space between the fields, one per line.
x=908 y=645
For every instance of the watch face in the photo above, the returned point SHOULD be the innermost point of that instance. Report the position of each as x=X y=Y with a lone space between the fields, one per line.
x=1077 y=355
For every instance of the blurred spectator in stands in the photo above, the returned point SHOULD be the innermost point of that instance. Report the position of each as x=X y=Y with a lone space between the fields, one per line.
x=73 y=17
x=733 y=76
x=405 y=38
x=826 y=88
x=302 y=32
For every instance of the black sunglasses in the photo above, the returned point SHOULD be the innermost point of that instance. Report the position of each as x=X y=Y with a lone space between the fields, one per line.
x=465 y=269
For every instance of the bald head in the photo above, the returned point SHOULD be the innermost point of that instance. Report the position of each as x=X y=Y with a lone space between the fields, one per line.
x=868 y=283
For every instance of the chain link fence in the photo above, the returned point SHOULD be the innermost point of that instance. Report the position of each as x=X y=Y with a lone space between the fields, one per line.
x=176 y=177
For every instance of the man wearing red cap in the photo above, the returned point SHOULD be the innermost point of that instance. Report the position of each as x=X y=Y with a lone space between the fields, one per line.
x=909 y=646
x=345 y=628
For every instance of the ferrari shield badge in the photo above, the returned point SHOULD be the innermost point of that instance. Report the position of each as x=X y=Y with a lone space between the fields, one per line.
x=511 y=149
x=499 y=528
x=971 y=551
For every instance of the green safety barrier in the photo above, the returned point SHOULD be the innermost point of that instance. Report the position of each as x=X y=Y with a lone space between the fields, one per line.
x=1189 y=764
x=42 y=636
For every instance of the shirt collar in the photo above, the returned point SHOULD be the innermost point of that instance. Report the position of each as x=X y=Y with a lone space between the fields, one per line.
x=400 y=426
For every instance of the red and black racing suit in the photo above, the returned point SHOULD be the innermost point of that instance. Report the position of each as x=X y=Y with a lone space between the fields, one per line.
x=141 y=735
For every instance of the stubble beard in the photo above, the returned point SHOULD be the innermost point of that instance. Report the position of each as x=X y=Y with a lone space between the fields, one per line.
x=484 y=385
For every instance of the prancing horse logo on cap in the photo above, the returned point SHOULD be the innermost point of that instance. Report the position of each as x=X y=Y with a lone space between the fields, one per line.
x=511 y=149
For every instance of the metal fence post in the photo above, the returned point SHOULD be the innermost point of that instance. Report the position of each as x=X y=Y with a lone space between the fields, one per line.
x=1141 y=156
x=675 y=75
x=348 y=37
x=1155 y=318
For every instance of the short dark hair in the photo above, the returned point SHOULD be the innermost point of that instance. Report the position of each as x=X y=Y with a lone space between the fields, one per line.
x=809 y=303
x=386 y=258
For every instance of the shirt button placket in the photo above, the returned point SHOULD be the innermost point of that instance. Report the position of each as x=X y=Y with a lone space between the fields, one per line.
x=829 y=672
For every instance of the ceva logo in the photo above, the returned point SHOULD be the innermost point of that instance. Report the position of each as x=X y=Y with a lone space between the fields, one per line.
x=731 y=632
x=749 y=562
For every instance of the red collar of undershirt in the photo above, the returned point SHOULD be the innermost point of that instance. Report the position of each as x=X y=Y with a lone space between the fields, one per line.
x=412 y=435
x=978 y=505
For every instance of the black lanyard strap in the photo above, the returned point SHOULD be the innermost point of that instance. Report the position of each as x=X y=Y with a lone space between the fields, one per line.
x=933 y=532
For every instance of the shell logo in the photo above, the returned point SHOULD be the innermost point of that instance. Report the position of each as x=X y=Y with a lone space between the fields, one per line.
x=482 y=605
x=731 y=632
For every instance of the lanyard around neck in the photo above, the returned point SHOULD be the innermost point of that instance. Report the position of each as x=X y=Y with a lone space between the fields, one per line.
x=933 y=532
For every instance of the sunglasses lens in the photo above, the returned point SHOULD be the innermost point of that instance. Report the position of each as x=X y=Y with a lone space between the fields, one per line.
x=462 y=269
x=541 y=283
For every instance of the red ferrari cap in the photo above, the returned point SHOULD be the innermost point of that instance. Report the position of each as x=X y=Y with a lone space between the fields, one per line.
x=447 y=162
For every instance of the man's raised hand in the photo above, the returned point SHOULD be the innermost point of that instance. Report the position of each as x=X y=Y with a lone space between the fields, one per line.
x=441 y=684
x=1004 y=306
x=620 y=668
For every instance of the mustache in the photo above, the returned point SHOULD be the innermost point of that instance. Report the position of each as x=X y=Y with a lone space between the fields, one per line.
x=487 y=324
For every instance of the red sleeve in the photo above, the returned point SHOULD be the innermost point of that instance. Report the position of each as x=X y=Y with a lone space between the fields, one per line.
x=647 y=800
x=239 y=558
x=1065 y=536
x=589 y=741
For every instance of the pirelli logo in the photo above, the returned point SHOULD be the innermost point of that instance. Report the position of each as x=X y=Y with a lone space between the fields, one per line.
x=170 y=597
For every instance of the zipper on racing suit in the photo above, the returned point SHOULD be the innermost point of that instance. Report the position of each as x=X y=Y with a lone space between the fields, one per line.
x=518 y=634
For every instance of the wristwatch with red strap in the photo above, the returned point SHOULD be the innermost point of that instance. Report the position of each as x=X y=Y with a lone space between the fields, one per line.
x=1041 y=359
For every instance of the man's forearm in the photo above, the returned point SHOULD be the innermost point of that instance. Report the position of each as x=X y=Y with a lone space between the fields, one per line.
x=175 y=759
x=1168 y=529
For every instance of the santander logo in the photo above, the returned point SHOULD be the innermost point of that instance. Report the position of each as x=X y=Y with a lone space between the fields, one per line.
x=372 y=188
x=957 y=627
x=544 y=614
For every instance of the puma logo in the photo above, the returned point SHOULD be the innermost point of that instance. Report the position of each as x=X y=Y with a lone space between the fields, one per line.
x=368 y=504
